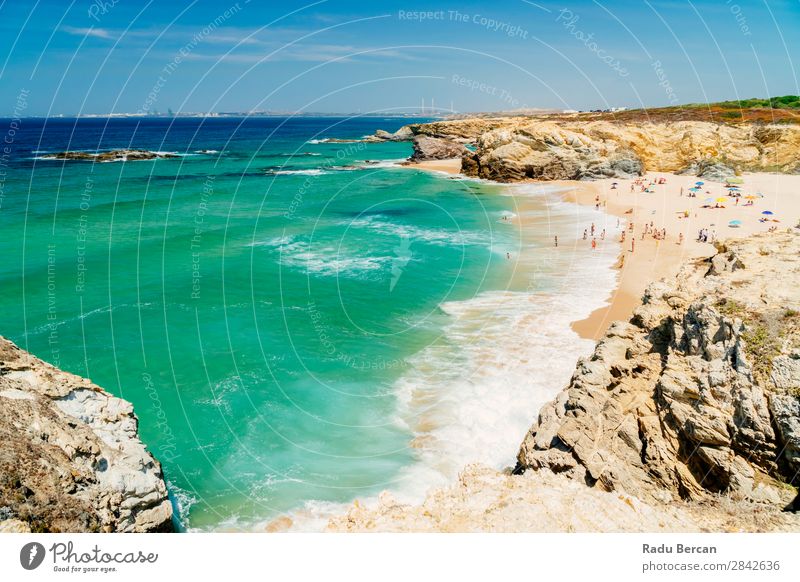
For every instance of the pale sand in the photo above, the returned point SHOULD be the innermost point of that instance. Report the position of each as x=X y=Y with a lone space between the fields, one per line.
x=451 y=166
x=655 y=259
x=652 y=260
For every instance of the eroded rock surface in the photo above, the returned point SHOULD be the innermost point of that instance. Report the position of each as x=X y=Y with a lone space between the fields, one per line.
x=698 y=394
x=542 y=148
x=433 y=148
x=71 y=459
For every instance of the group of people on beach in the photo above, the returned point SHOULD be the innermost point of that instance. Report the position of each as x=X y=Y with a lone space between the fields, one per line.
x=629 y=229
x=705 y=236
x=646 y=185
x=658 y=233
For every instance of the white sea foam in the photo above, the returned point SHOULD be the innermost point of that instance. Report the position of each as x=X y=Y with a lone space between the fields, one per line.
x=182 y=499
x=327 y=260
x=435 y=236
x=309 y=172
x=273 y=242
x=472 y=395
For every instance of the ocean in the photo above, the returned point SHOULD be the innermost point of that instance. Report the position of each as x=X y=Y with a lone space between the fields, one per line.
x=298 y=322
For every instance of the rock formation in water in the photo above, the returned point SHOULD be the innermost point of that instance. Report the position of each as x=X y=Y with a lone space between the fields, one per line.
x=549 y=148
x=111 y=156
x=699 y=394
x=71 y=458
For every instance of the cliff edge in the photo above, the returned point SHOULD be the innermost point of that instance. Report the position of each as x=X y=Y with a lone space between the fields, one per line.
x=699 y=394
x=551 y=148
x=71 y=459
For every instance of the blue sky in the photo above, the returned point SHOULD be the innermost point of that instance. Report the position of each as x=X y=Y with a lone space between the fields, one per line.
x=102 y=56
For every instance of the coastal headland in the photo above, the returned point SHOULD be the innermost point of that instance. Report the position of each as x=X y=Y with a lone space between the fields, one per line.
x=685 y=417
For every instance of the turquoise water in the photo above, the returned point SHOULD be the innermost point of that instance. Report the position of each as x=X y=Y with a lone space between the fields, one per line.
x=259 y=303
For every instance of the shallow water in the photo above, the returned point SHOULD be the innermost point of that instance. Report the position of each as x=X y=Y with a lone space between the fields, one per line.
x=296 y=324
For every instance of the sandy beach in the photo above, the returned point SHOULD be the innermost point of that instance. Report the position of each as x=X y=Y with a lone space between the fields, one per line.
x=667 y=206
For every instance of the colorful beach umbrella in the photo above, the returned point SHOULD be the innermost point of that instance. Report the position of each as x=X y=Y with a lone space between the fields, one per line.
x=722 y=199
x=768 y=212
x=735 y=223
x=699 y=183
x=708 y=200
x=751 y=197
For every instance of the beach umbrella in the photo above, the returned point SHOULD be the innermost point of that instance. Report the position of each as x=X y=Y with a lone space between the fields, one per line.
x=699 y=183
x=751 y=197
x=722 y=199
x=735 y=223
x=708 y=200
x=759 y=194
x=768 y=212
x=694 y=189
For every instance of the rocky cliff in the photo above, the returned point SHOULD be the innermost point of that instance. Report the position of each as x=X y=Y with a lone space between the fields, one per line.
x=542 y=148
x=71 y=459
x=686 y=417
x=699 y=394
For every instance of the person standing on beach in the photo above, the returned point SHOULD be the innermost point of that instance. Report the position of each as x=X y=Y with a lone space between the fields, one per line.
x=594 y=243
x=584 y=234
x=555 y=240
x=633 y=243
x=593 y=229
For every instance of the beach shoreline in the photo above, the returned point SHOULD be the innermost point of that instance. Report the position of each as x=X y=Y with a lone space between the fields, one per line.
x=666 y=205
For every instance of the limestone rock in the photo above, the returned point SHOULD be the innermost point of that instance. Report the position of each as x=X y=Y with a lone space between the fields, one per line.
x=785 y=410
x=712 y=170
x=405 y=133
x=724 y=262
x=432 y=148
x=71 y=459
x=517 y=148
x=669 y=407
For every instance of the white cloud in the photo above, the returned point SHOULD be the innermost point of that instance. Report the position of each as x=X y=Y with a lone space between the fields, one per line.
x=95 y=32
